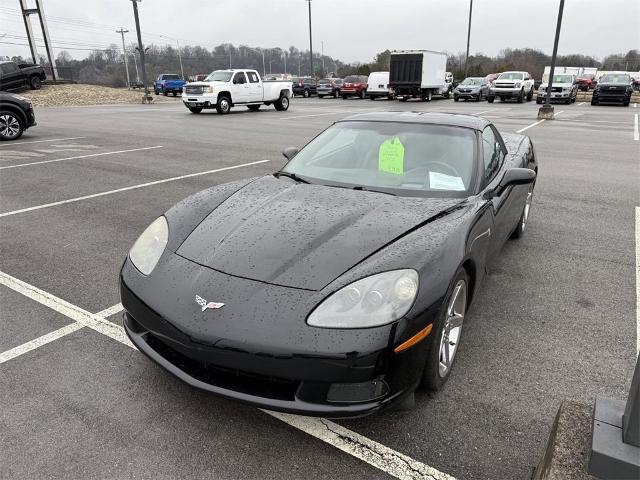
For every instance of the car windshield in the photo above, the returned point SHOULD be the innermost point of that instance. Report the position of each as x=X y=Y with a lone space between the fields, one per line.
x=615 y=78
x=562 y=79
x=399 y=158
x=351 y=79
x=511 y=76
x=219 y=76
x=472 y=81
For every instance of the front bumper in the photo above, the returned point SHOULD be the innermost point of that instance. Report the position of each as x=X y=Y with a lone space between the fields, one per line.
x=203 y=100
x=603 y=96
x=505 y=92
x=466 y=95
x=554 y=95
x=274 y=378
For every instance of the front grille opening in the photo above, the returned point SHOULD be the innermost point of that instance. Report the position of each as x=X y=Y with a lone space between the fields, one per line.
x=230 y=379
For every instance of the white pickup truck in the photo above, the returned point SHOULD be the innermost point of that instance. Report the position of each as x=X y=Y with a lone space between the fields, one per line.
x=224 y=89
x=518 y=85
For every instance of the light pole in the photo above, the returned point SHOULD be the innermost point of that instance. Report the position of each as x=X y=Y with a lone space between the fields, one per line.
x=310 y=41
x=284 y=53
x=466 y=58
x=179 y=54
x=147 y=98
x=546 y=111
x=122 y=31
x=322 y=43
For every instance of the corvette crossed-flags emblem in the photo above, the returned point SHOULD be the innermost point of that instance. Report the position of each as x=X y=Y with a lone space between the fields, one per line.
x=205 y=305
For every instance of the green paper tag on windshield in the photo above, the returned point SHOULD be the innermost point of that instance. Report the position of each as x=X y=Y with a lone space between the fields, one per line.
x=391 y=157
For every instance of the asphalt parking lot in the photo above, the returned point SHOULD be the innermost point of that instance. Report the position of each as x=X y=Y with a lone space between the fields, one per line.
x=556 y=319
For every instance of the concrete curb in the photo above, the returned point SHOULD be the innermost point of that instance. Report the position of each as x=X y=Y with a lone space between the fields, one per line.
x=567 y=452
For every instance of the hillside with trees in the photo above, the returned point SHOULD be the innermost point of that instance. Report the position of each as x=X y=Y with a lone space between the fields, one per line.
x=106 y=67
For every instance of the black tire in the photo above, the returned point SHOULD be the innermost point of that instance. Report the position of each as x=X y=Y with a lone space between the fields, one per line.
x=320 y=96
x=490 y=99
x=195 y=109
x=594 y=102
x=372 y=97
x=567 y=101
x=432 y=378
x=11 y=126
x=573 y=100
x=306 y=94
x=363 y=94
x=282 y=104
x=344 y=97
x=538 y=101
x=35 y=83
x=254 y=108
x=626 y=104
x=530 y=95
x=156 y=91
x=175 y=94
x=427 y=97
x=404 y=99
x=223 y=106
x=521 y=96
x=479 y=97
x=524 y=217
x=456 y=99
x=165 y=93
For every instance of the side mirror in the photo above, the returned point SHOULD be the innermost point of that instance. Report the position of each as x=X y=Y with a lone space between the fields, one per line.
x=512 y=177
x=290 y=152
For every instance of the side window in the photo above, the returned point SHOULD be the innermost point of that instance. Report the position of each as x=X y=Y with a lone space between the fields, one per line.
x=239 y=78
x=493 y=155
x=253 y=78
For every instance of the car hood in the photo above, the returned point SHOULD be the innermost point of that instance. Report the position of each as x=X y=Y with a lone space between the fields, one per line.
x=302 y=235
x=557 y=84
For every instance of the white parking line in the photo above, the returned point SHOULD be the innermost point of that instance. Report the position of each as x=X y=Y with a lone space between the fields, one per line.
x=67 y=309
x=40 y=341
x=107 y=312
x=389 y=461
x=580 y=104
x=530 y=126
x=5 y=144
x=80 y=156
x=132 y=187
x=636 y=133
x=484 y=111
x=537 y=123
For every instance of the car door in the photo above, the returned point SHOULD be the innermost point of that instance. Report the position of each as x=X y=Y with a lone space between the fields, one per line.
x=255 y=91
x=494 y=153
x=12 y=76
x=240 y=88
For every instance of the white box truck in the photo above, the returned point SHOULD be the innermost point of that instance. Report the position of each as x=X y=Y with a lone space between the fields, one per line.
x=419 y=74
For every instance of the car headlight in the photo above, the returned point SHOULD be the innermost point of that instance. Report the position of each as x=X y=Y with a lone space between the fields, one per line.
x=211 y=89
x=369 y=302
x=517 y=84
x=149 y=246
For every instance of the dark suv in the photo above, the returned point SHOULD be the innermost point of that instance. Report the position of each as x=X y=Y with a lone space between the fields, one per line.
x=613 y=88
x=305 y=86
x=16 y=115
x=329 y=87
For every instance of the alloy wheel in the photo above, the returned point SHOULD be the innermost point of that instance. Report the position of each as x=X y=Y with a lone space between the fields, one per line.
x=452 y=329
x=9 y=125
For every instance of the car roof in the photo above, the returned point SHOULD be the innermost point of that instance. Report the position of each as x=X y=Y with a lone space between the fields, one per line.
x=427 y=118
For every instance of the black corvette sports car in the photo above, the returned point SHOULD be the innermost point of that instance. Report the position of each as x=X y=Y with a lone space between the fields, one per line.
x=339 y=284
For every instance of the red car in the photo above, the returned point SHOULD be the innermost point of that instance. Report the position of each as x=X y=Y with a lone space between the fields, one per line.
x=354 y=86
x=587 y=81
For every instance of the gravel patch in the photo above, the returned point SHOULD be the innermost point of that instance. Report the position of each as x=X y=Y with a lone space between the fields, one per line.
x=79 y=94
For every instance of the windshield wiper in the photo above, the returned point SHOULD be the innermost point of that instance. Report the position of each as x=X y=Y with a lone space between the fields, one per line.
x=292 y=176
x=366 y=189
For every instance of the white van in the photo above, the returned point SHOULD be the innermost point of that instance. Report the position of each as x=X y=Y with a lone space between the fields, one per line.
x=378 y=85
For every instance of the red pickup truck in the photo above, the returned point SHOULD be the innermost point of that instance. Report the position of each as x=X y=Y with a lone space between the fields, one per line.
x=354 y=86
x=587 y=82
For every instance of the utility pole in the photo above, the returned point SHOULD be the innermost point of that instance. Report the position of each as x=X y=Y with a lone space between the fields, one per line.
x=180 y=58
x=135 y=62
x=466 y=58
x=546 y=111
x=147 y=98
x=45 y=34
x=310 y=42
x=285 y=61
x=322 y=43
x=122 y=31
x=299 y=61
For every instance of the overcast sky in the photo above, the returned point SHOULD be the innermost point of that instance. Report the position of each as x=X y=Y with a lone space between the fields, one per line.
x=352 y=30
